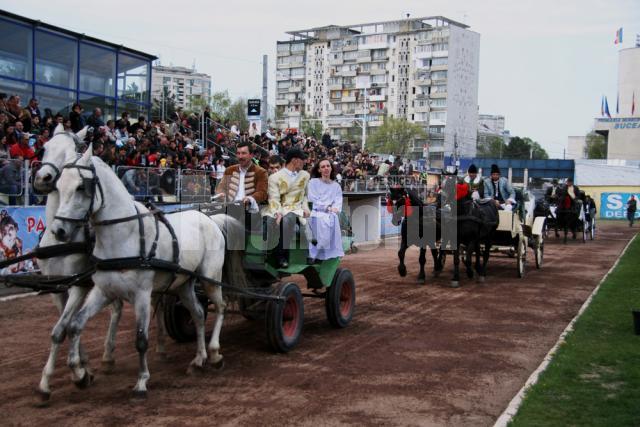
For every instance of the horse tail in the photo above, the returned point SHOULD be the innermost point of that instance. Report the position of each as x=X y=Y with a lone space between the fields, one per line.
x=233 y=231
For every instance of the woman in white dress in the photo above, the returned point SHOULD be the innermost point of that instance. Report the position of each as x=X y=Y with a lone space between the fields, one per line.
x=326 y=196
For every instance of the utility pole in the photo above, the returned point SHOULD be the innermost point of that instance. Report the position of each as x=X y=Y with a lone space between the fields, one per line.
x=263 y=111
x=364 y=120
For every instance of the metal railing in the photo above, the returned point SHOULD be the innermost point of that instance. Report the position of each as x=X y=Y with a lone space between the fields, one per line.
x=169 y=185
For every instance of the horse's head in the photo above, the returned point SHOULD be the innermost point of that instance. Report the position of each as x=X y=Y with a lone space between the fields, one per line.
x=80 y=197
x=59 y=151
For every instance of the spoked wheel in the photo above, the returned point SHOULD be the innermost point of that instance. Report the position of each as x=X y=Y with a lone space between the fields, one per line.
x=340 y=299
x=284 y=319
x=521 y=255
x=538 y=250
x=177 y=319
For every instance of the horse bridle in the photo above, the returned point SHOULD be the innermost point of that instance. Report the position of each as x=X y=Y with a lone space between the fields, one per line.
x=90 y=190
x=57 y=170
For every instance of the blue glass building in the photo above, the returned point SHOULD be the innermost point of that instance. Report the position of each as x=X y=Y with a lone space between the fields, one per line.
x=60 y=67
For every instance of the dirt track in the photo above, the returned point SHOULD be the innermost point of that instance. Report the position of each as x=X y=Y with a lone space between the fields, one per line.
x=414 y=355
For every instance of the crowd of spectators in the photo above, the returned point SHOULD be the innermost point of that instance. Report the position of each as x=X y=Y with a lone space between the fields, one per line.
x=176 y=143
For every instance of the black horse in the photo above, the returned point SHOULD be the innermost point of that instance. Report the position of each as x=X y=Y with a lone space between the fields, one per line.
x=567 y=213
x=473 y=222
x=419 y=227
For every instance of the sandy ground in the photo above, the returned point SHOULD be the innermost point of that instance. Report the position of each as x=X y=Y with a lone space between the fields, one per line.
x=414 y=355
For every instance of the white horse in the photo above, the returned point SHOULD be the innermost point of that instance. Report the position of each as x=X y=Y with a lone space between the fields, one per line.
x=59 y=151
x=89 y=190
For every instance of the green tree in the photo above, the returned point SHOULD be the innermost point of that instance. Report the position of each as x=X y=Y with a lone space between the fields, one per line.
x=220 y=104
x=237 y=113
x=492 y=147
x=311 y=127
x=596 y=146
x=524 y=148
x=169 y=105
x=394 y=136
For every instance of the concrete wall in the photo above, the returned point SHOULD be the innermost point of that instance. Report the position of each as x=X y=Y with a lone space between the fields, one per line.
x=575 y=147
x=462 y=91
x=596 y=193
x=628 y=80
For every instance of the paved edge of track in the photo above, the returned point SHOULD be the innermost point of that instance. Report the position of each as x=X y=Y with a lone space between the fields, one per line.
x=17 y=296
x=512 y=409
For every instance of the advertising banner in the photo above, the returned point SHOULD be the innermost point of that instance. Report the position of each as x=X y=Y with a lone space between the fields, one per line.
x=20 y=230
x=614 y=205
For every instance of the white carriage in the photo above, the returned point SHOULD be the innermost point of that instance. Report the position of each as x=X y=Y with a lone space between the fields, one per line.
x=519 y=229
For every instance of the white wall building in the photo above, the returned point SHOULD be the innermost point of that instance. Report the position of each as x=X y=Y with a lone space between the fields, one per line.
x=577 y=147
x=422 y=69
x=185 y=84
x=622 y=130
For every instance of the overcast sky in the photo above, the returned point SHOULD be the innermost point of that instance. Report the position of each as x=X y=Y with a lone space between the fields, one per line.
x=544 y=64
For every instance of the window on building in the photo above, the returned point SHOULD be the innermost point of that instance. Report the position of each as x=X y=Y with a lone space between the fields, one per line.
x=98 y=70
x=15 y=51
x=56 y=59
x=133 y=73
x=59 y=100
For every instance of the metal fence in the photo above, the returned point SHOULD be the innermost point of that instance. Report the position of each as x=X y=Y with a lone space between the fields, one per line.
x=169 y=185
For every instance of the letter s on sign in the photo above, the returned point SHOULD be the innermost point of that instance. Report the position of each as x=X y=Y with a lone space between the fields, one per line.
x=614 y=202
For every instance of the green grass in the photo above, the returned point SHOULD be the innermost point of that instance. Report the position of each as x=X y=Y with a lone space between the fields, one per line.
x=594 y=378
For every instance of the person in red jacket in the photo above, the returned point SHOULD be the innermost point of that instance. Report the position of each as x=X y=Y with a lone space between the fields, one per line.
x=21 y=150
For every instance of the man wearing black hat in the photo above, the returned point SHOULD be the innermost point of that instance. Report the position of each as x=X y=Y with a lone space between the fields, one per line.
x=476 y=186
x=288 y=202
x=499 y=189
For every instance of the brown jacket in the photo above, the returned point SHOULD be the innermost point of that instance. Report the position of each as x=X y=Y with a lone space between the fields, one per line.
x=255 y=183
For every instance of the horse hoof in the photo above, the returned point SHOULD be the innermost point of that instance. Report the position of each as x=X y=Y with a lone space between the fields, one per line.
x=480 y=279
x=455 y=284
x=219 y=365
x=402 y=270
x=139 y=394
x=85 y=381
x=44 y=398
x=421 y=281
x=108 y=366
x=194 y=369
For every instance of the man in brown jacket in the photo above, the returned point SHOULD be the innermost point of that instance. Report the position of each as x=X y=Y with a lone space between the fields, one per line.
x=244 y=182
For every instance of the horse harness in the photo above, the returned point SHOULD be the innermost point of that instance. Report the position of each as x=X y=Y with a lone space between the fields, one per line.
x=143 y=261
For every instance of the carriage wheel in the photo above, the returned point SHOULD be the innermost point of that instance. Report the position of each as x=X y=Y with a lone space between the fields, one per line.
x=177 y=319
x=538 y=250
x=284 y=319
x=521 y=254
x=340 y=299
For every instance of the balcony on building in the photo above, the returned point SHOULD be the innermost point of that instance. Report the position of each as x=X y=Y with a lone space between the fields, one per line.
x=377 y=97
x=334 y=85
x=282 y=102
x=346 y=73
x=363 y=56
x=336 y=61
x=284 y=49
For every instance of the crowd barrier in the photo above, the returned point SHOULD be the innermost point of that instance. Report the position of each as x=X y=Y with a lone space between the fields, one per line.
x=168 y=185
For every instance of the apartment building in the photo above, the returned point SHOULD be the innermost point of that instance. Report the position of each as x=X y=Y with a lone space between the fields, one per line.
x=421 y=69
x=185 y=84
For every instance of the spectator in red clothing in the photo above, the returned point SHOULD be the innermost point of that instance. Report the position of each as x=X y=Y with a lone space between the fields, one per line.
x=21 y=150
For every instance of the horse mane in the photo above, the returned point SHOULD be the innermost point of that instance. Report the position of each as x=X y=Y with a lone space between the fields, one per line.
x=414 y=197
